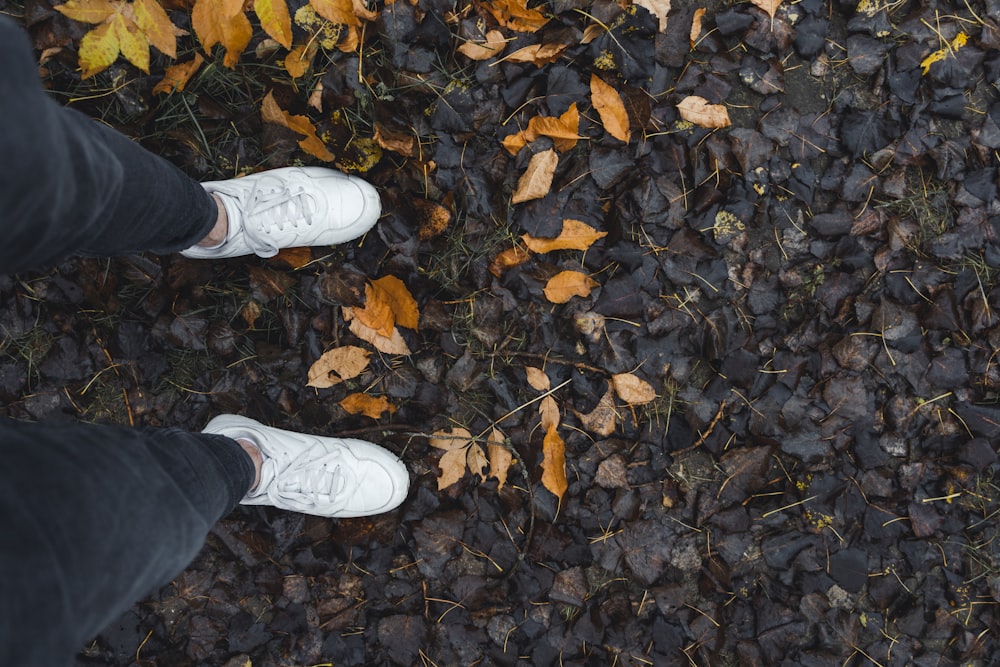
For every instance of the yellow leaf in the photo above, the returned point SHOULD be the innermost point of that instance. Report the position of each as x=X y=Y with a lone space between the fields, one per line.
x=157 y=26
x=548 y=410
x=658 y=8
x=337 y=365
x=132 y=42
x=299 y=59
x=537 y=378
x=369 y=406
x=697 y=110
x=272 y=113
x=601 y=421
x=554 y=464
x=404 y=307
x=516 y=15
x=537 y=178
x=492 y=45
x=222 y=22
x=275 y=20
x=500 y=457
x=477 y=462
x=610 y=107
x=392 y=344
x=769 y=6
x=566 y=284
x=537 y=54
x=336 y=11
x=88 y=11
x=575 y=235
x=177 y=76
x=98 y=49
x=632 y=389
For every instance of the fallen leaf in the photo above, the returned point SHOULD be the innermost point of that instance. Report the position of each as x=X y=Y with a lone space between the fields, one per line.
x=454 y=461
x=294 y=257
x=391 y=344
x=250 y=312
x=769 y=6
x=611 y=108
x=537 y=178
x=537 y=54
x=222 y=22
x=507 y=259
x=477 y=462
x=87 y=11
x=567 y=284
x=537 y=378
x=337 y=365
x=696 y=20
x=697 y=110
x=177 y=76
x=336 y=11
x=548 y=410
x=575 y=235
x=658 y=8
x=369 y=406
x=275 y=20
x=399 y=142
x=602 y=420
x=272 y=113
x=393 y=291
x=299 y=59
x=554 y=464
x=377 y=313
x=632 y=389
x=957 y=43
x=493 y=45
x=500 y=457
x=516 y=15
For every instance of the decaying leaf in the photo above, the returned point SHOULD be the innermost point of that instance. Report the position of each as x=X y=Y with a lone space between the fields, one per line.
x=960 y=40
x=509 y=258
x=658 y=8
x=699 y=111
x=632 y=389
x=272 y=113
x=516 y=15
x=369 y=406
x=399 y=142
x=493 y=45
x=537 y=378
x=337 y=365
x=611 y=108
x=432 y=218
x=567 y=284
x=177 y=76
x=554 y=463
x=275 y=20
x=500 y=457
x=250 y=312
x=537 y=54
x=222 y=22
x=477 y=461
x=602 y=420
x=537 y=178
x=575 y=235
x=769 y=6
x=392 y=344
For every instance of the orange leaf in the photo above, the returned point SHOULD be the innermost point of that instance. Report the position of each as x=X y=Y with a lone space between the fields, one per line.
x=177 y=76
x=610 y=107
x=564 y=130
x=272 y=113
x=336 y=11
x=500 y=457
x=769 y=6
x=275 y=20
x=509 y=258
x=514 y=14
x=575 y=235
x=393 y=291
x=391 y=344
x=537 y=178
x=88 y=11
x=377 y=312
x=493 y=45
x=696 y=20
x=697 y=110
x=554 y=464
x=401 y=143
x=452 y=466
x=632 y=389
x=369 y=406
x=157 y=26
x=566 y=284
x=299 y=59
x=450 y=440
x=537 y=54
x=222 y=22
x=294 y=257
x=548 y=410
x=337 y=365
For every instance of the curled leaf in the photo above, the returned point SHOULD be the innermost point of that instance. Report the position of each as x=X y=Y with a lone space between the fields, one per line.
x=699 y=111
x=632 y=389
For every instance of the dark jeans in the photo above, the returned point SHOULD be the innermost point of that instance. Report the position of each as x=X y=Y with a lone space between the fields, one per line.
x=92 y=517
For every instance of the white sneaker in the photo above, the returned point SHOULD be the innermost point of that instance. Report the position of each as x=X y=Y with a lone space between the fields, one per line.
x=291 y=207
x=332 y=477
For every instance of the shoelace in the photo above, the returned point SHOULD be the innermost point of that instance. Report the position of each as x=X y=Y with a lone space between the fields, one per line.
x=302 y=482
x=271 y=203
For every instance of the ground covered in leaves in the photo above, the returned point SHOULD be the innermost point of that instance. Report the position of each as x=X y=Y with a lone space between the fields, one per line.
x=767 y=396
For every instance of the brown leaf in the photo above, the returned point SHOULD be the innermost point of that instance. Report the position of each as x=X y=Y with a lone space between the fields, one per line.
x=537 y=378
x=697 y=110
x=563 y=130
x=610 y=107
x=275 y=20
x=537 y=178
x=272 y=113
x=452 y=466
x=177 y=76
x=392 y=344
x=554 y=464
x=268 y=283
x=602 y=420
x=455 y=438
x=477 y=462
x=769 y=6
x=575 y=235
x=377 y=313
x=699 y=14
x=293 y=257
x=516 y=15
x=250 y=312
x=337 y=365
x=493 y=45
x=432 y=218
x=399 y=142
x=658 y=8
x=548 y=410
x=632 y=389
x=537 y=54
x=299 y=59
x=393 y=291
x=369 y=406
x=567 y=284
x=500 y=457
x=507 y=259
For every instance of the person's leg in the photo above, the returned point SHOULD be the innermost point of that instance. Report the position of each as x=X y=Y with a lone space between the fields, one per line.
x=70 y=185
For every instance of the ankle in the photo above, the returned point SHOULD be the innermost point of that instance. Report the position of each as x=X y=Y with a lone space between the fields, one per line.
x=253 y=451
x=217 y=236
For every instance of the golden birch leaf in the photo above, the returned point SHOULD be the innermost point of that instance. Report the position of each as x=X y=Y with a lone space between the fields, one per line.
x=393 y=291
x=477 y=462
x=299 y=59
x=492 y=45
x=575 y=235
x=157 y=26
x=337 y=365
x=275 y=20
x=658 y=8
x=610 y=108
x=98 y=49
x=500 y=457
x=632 y=389
x=507 y=259
x=697 y=110
x=537 y=54
x=369 y=406
x=392 y=344
x=602 y=420
x=450 y=440
x=336 y=11
x=567 y=284
x=87 y=11
x=537 y=378
x=132 y=42
x=272 y=113
x=537 y=178
x=769 y=6
x=548 y=410
x=177 y=76
x=554 y=464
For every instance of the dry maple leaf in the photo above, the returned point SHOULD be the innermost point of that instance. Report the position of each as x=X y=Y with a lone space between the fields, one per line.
x=455 y=459
x=123 y=28
x=369 y=406
x=632 y=389
x=575 y=235
x=699 y=111
x=272 y=113
x=337 y=365
x=567 y=284
x=477 y=461
x=554 y=464
x=177 y=76
x=537 y=178
x=222 y=22
x=611 y=109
